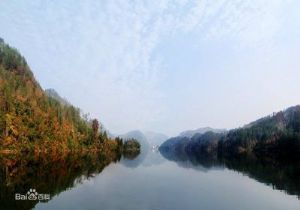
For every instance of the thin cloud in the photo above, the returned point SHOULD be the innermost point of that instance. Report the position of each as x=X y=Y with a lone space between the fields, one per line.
x=100 y=55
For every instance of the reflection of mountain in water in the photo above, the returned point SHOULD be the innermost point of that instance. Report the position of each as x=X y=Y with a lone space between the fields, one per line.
x=146 y=156
x=141 y=138
x=46 y=175
x=280 y=175
x=200 y=162
x=153 y=158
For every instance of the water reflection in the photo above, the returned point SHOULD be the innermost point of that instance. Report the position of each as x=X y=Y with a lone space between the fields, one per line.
x=146 y=157
x=280 y=175
x=167 y=187
x=48 y=175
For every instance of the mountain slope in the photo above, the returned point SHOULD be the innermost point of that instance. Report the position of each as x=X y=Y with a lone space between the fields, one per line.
x=275 y=136
x=32 y=120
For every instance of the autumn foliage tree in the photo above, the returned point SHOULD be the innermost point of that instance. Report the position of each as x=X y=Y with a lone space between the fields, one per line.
x=29 y=118
x=95 y=128
x=32 y=120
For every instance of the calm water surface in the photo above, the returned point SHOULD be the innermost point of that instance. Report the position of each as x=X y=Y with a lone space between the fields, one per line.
x=155 y=183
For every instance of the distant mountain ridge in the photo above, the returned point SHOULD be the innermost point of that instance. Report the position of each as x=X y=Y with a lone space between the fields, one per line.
x=155 y=138
x=135 y=134
x=275 y=136
x=191 y=133
x=152 y=138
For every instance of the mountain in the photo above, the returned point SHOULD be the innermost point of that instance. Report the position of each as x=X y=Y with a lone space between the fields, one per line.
x=191 y=133
x=276 y=136
x=194 y=139
x=135 y=134
x=140 y=137
x=32 y=119
x=145 y=147
x=146 y=139
x=154 y=138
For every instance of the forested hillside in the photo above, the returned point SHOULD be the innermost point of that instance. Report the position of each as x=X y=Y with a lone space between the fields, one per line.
x=275 y=137
x=31 y=120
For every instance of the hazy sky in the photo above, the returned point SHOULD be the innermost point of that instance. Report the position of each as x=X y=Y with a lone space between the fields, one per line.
x=163 y=65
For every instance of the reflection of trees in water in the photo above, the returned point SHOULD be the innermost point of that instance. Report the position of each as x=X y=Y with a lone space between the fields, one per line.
x=46 y=175
x=187 y=160
x=281 y=175
x=130 y=162
x=131 y=155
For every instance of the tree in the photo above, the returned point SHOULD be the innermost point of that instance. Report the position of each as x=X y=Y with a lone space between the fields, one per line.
x=95 y=127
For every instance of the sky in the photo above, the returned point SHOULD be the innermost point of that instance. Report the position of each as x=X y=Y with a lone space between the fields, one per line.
x=164 y=66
